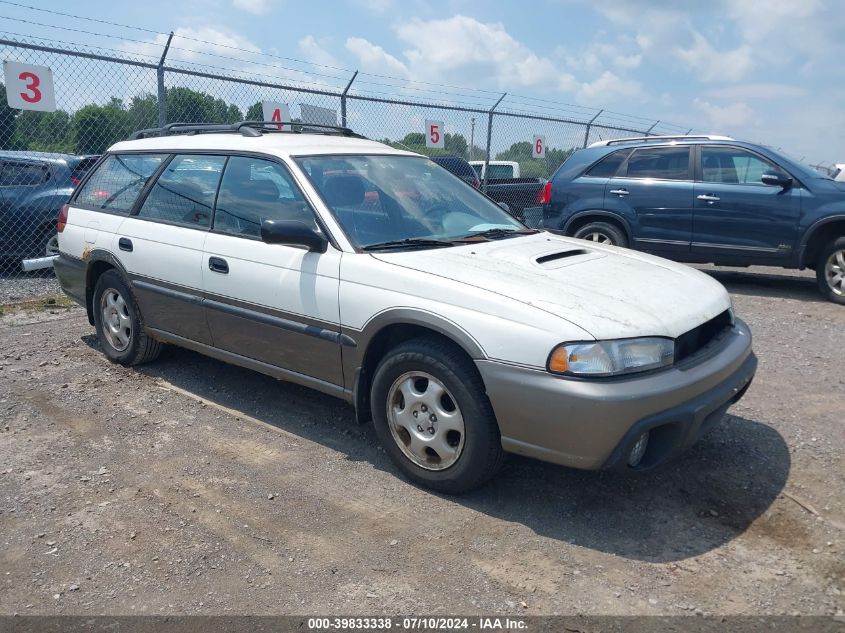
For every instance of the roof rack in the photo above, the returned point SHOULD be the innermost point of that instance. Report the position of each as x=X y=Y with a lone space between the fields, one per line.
x=244 y=128
x=662 y=139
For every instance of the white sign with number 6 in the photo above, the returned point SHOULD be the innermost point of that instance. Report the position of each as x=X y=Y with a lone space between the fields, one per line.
x=29 y=87
x=434 y=134
x=539 y=147
x=278 y=112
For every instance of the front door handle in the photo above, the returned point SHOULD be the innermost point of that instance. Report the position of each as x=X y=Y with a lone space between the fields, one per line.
x=125 y=244
x=709 y=198
x=620 y=192
x=218 y=265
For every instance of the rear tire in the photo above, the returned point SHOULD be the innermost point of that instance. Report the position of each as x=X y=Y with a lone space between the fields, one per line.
x=603 y=233
x=830 y=271
x=119 y=324
x=433 y=418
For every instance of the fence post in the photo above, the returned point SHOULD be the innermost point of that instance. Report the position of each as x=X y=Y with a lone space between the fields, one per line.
x=162 y=117
x=343 y=100
x=648 y=131
x=489 y=139
x=589 y=125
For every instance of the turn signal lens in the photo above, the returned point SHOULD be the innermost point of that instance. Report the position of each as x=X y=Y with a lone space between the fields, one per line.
x=62 y=221
x=558 y=362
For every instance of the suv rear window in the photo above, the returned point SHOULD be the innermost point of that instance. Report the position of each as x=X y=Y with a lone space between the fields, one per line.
x=666 y=163
x=23 y=174
x=609 y=165
x=118 y=181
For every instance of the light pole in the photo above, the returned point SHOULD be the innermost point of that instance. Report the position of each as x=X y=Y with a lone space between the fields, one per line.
x=471 y=136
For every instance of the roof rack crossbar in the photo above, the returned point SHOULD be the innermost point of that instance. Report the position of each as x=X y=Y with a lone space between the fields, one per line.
x=245 y=128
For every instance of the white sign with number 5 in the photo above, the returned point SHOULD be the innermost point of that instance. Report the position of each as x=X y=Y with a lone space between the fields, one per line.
x=434 y=134
x=278 y=112
x=539 y=147
x=29 y=87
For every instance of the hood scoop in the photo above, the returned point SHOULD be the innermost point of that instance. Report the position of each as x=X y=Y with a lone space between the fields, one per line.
x=553 y=257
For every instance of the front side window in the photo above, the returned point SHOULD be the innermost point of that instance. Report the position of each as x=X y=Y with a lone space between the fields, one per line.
x=22 y=174
x=254 y=190
x=732 y=165
x=184 y=192
x=665 y=163
x=379 y=199
x=118 y=181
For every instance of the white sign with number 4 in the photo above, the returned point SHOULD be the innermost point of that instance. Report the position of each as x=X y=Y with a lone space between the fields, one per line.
x=278 y=112
x=29 y=87
x=539 y=148
x=434 y=134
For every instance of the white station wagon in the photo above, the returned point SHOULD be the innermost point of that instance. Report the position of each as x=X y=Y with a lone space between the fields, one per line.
x=373 y=275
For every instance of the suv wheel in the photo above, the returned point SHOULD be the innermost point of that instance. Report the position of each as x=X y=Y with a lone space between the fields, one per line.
x=51 y=245
x=433 y=418
x=830 y=271
x=119 y=324
x=603 y=233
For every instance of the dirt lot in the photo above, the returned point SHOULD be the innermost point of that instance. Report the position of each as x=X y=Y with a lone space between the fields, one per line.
x=190 y=486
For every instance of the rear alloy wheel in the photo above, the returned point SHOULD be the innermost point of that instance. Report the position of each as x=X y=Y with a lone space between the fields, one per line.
x=830 y=271
x=433 y=417
x=602 y=233
x=51 y=245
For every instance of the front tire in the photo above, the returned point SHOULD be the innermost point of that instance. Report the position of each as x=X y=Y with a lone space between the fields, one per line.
x=119 y=325
x=830 y=271
x=432 y=416
x=603 y=233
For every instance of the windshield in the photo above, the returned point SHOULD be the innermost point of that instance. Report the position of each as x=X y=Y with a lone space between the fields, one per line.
x=380 y=199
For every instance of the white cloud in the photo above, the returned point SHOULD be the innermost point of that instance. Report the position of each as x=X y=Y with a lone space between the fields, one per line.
x=256 y=7
x=194 y=48
x=315 y=53
x=609 y=88
x=375 y=6
x=729 y=118
x=713 y=65
x=375 y=59
x=756 y=92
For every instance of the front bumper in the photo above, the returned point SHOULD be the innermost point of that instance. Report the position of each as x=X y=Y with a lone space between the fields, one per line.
x=593 y=423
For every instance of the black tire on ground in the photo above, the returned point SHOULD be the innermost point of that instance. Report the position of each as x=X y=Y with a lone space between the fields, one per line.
x=482 y=454
x=830 y=270
x=602 y=232
x=140 y=348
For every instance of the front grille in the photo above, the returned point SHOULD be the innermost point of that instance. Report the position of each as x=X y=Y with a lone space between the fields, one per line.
x=697 y=338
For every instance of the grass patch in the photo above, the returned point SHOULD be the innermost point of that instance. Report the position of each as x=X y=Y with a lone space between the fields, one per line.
x=38 y=305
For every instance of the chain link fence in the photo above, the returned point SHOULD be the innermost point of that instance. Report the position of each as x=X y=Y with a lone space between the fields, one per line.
x=102 y=98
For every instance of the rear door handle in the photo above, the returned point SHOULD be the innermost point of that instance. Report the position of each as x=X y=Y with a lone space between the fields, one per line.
x=620 y=192
x=125 y=244
x=709 y=198
x=218 y=265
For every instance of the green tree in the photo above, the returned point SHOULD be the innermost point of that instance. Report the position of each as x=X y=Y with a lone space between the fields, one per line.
x=43 y=131
x=7 y=121
x=530 y=167
x=255 y=112
x=143 y=112
x=94 y=127
x=184 y=105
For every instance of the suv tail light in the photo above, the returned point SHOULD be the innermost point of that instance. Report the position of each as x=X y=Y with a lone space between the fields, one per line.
x=75 y=180
x=544 y=196
x=62 y=221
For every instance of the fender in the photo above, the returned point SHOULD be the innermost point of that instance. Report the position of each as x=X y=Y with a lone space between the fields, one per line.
x=100 y=255
x=811 y=230
x=601 y=213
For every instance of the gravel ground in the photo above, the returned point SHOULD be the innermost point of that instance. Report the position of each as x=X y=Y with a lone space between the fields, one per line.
x=190 y=486
x=28 y=286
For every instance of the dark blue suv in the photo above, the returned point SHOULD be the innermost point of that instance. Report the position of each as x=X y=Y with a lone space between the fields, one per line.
x=707 y=199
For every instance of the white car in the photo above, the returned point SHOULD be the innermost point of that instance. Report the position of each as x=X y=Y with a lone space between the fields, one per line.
x=496 y=168
x=375 y=276
x=839 y=172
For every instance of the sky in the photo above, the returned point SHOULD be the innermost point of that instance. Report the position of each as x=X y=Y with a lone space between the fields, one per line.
x=770 y=72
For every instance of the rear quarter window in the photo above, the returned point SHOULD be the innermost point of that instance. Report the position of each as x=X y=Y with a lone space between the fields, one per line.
x=609 y=165
x=118 y=181
x=23 y=174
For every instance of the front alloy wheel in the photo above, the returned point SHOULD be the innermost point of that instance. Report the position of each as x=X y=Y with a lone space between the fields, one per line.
x=117 y=323
x=425 y=421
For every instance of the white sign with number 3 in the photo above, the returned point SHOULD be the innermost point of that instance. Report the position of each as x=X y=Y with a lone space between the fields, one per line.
x=539 y=147
x=434 y=134
x=278 y=112
x=29 y=87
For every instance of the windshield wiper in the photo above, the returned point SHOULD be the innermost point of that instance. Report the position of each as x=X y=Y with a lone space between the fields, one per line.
x=496 y=234
x=412 y=242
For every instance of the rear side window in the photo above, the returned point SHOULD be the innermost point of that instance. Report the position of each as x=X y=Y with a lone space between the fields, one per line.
x=609 y=165
x=666 y=163
x=254 y=190
x=14 y=174
x=184 y=192
x=118 y=181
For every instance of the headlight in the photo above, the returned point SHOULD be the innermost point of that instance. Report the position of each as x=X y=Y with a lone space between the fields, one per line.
x=612 y=358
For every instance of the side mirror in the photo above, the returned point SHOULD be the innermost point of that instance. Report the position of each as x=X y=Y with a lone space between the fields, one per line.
x=505 y=206
x=293 y=233
x=776 y=179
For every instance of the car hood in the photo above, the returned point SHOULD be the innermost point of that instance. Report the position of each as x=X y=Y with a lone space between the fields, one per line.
x=606 y=291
